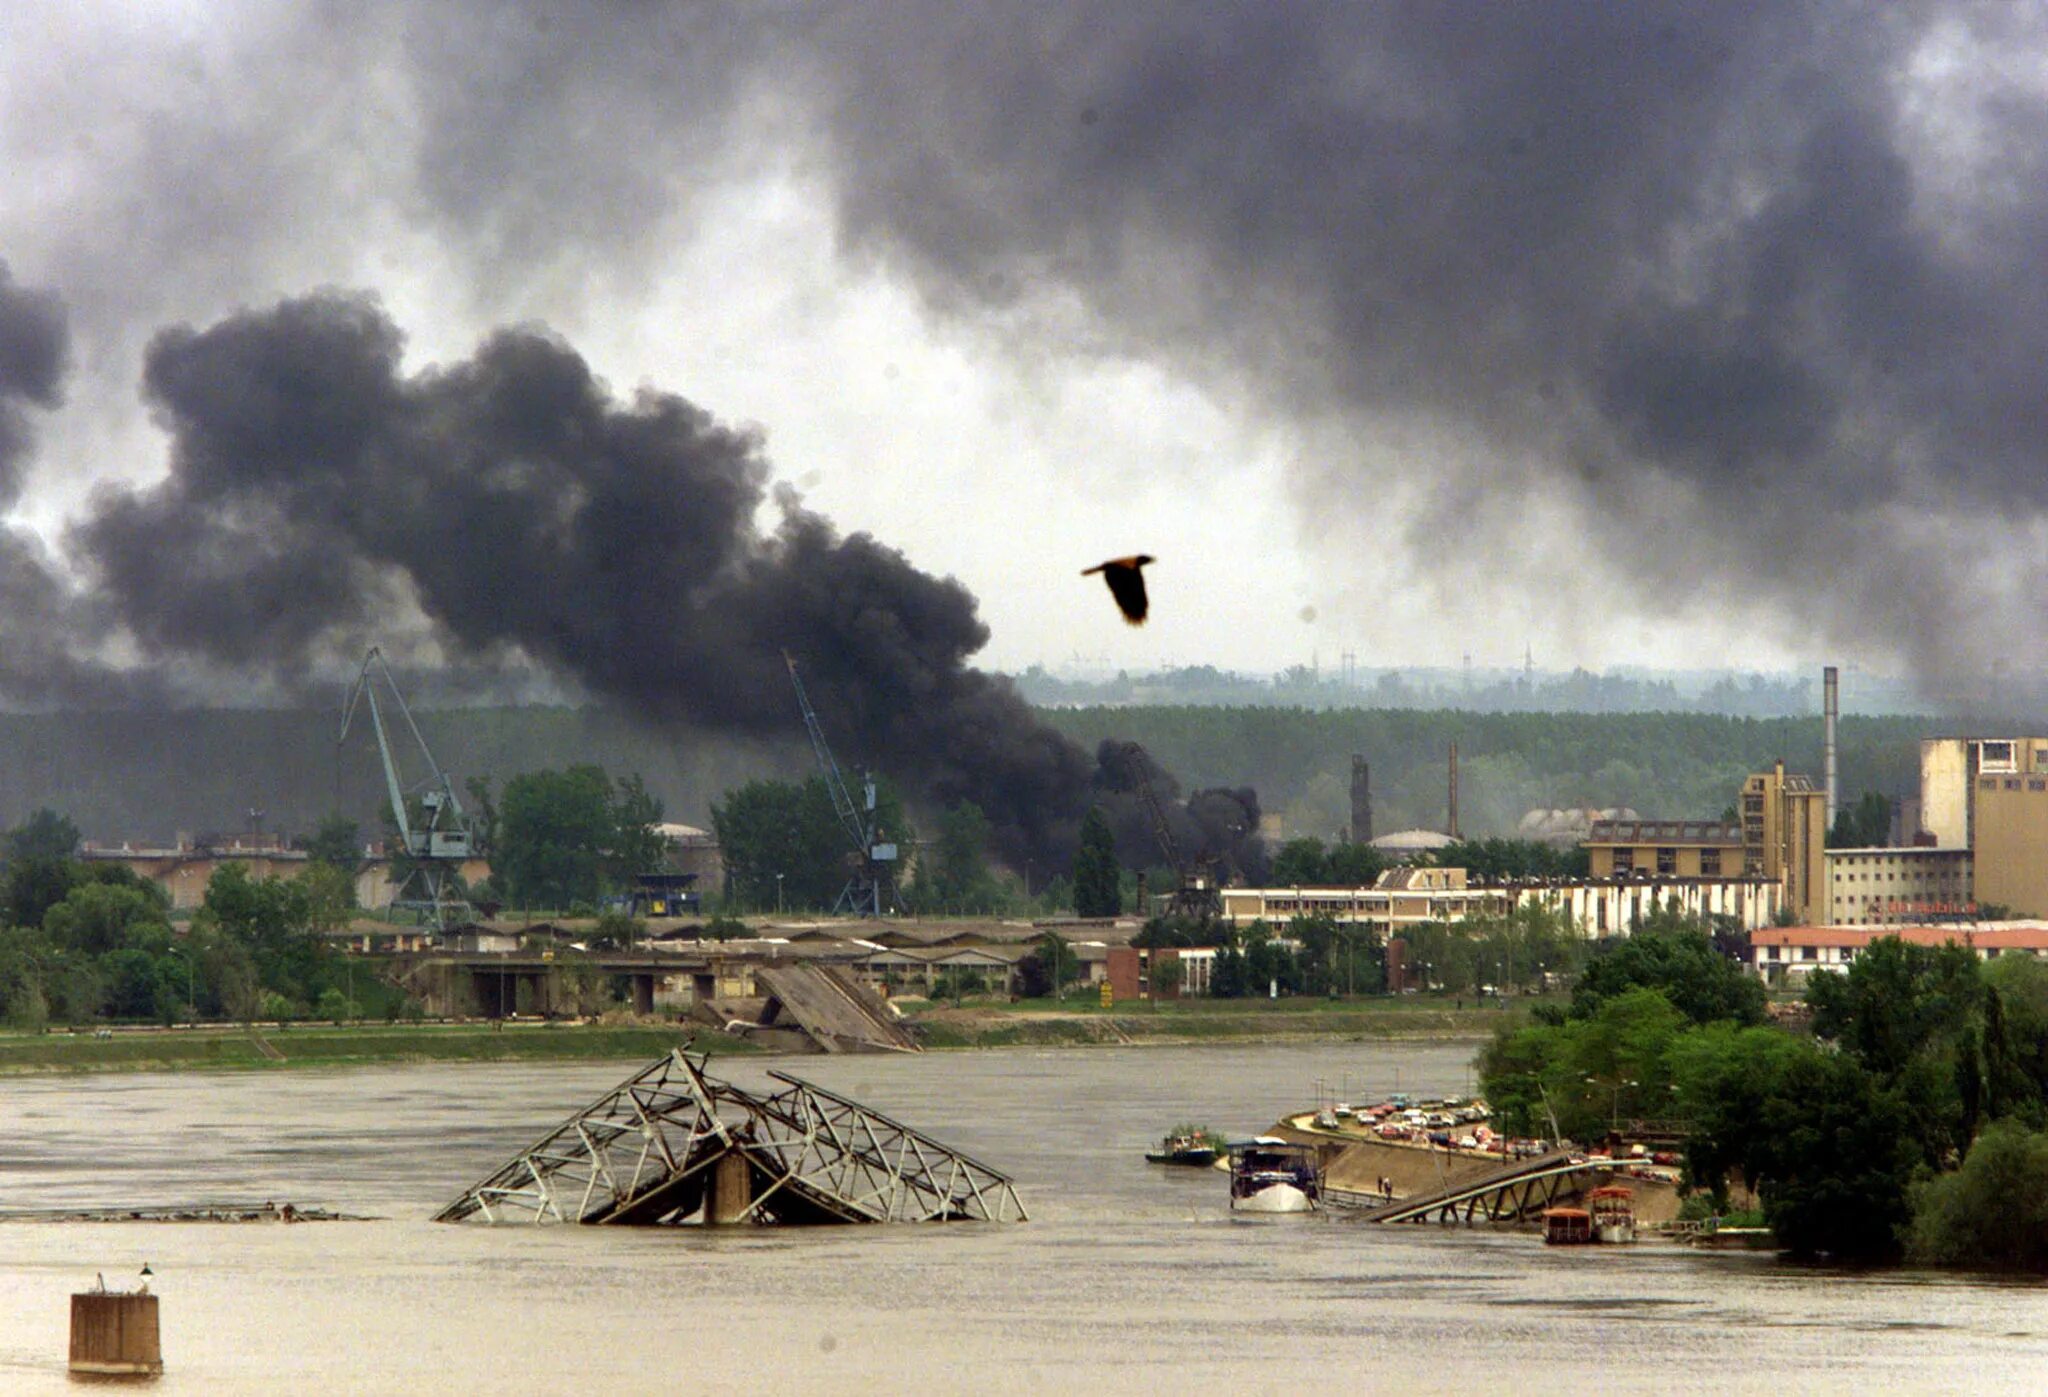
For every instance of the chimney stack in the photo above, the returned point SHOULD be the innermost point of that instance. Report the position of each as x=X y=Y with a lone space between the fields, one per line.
x=1361 y=801
x=1453 y=830
x=1831 y=708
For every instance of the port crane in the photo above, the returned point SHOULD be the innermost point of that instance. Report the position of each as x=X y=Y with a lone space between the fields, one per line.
x=1195 y=893
x=434 y=842
x=871 y=882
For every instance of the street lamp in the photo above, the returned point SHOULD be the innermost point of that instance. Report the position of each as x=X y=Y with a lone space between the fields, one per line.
x=778 y=894
x=1614 y=1110
x=191 y=995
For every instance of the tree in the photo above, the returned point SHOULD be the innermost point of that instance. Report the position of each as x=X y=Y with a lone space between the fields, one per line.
x=271 y=921
x=1300 y=863
x=43 y=835
x=1166 y=974
x=1676 y=956
x=1865 y=825
x=1051 y=965
x=959 y=878
x=1230 y=979
x=564 y=837
x=1097 y=878
x=1355 y=865
x=782 y=844
x=337 y=842
x=1991 y=1213
x=95 y=919
x=35 y=884
x=1831 y=1156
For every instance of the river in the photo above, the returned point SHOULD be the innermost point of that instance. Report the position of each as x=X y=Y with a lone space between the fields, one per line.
x=1128 y=1278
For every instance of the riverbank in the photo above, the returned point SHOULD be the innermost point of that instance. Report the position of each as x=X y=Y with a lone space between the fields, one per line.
x=1074 y=1023
x=342 y=1045
x=972 y=1025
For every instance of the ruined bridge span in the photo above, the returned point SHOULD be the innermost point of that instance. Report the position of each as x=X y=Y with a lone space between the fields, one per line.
x=673 y=1144
x=1516 y=1192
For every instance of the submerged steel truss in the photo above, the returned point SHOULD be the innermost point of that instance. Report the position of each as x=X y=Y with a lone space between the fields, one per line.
x=672 y=1144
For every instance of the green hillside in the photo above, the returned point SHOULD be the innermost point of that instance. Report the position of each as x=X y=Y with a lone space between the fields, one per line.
x=148 y=776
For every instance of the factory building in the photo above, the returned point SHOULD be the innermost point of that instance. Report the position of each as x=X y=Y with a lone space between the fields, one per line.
x=1897 y=886
x=1600 y=907
x=1779 y=837
x=1665 y=848
x=1975 y=838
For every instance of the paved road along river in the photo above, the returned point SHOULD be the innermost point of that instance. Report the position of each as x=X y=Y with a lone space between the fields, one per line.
x=1129 y=1278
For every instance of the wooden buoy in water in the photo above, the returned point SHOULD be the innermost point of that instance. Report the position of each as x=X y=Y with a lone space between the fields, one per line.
x=115 y=1333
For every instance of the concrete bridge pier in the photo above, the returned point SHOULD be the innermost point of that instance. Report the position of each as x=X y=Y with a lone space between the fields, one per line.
x=732 y=1188
x=643 y=994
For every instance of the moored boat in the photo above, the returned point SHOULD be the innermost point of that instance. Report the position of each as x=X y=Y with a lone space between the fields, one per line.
x=1567 y=1227
x=1195 y=1148
x=1614 y=1213
x=1271 y=1175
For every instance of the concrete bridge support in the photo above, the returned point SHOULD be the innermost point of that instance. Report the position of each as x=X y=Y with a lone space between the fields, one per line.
x=732 y=1189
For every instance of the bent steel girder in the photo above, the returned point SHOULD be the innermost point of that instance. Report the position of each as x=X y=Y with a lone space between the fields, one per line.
x=887 y=1170
x=642 y=1153
x=649 y=1131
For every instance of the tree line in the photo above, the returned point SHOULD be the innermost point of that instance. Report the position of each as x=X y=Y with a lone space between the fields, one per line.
x=1909 y=1121
x=88 y=940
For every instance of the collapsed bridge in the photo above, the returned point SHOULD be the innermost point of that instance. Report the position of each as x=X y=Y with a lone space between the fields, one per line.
x=673 y=1144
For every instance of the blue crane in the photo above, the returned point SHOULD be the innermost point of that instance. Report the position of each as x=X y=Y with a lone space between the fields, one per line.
x=436 y=839
x=869 y=884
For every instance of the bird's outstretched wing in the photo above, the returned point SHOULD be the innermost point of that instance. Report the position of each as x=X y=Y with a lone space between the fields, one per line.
x=1126 y=584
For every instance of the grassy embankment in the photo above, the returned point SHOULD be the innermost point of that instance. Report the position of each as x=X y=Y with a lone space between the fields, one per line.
x=1077 y=1021
x=329 y=1045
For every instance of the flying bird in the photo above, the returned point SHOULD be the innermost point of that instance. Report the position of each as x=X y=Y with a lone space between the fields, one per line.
x=1126 y=584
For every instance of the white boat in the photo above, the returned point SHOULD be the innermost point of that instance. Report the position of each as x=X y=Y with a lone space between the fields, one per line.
x=1271 y=1175
x=1613 y=1214
x=1275 y=1197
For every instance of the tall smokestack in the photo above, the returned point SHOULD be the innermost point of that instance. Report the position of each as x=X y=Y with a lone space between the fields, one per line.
x=1453 y=830
x=1361 y=801
x=1831 y=708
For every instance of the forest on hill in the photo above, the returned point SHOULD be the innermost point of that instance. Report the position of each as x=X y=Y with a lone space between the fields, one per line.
x=1663 y=765
x=148 y=776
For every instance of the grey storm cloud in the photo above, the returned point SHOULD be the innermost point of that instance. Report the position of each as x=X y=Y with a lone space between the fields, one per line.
x=1747 y=294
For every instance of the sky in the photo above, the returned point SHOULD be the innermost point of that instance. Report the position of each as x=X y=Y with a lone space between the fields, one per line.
x=1649 y=334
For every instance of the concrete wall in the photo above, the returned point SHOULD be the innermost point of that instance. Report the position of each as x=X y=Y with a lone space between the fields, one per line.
x=1945 y=791
x=1865 y=887
x=2011 y=855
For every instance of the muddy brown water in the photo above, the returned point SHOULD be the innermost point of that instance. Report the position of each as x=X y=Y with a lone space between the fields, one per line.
x=1129 y=1278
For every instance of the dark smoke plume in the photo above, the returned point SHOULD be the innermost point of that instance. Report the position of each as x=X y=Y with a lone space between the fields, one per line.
x=1217 y=826
x=1742 y=300
x=521 y=508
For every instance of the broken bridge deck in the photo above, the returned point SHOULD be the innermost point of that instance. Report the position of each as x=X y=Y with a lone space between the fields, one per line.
x=672 y=1143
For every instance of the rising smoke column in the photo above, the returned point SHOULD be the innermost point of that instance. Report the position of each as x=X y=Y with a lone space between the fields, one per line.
x=519 y=506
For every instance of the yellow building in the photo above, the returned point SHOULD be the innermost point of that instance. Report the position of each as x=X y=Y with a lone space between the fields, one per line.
x=1906 y=886
x=1784 y=838
x=1664 y=848
x=2010 y=853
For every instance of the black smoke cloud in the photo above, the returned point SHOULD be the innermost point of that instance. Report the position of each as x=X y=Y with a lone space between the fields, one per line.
x=1746 y=297
x=315 y=488
x=1742 y=300
x=1217 y=827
